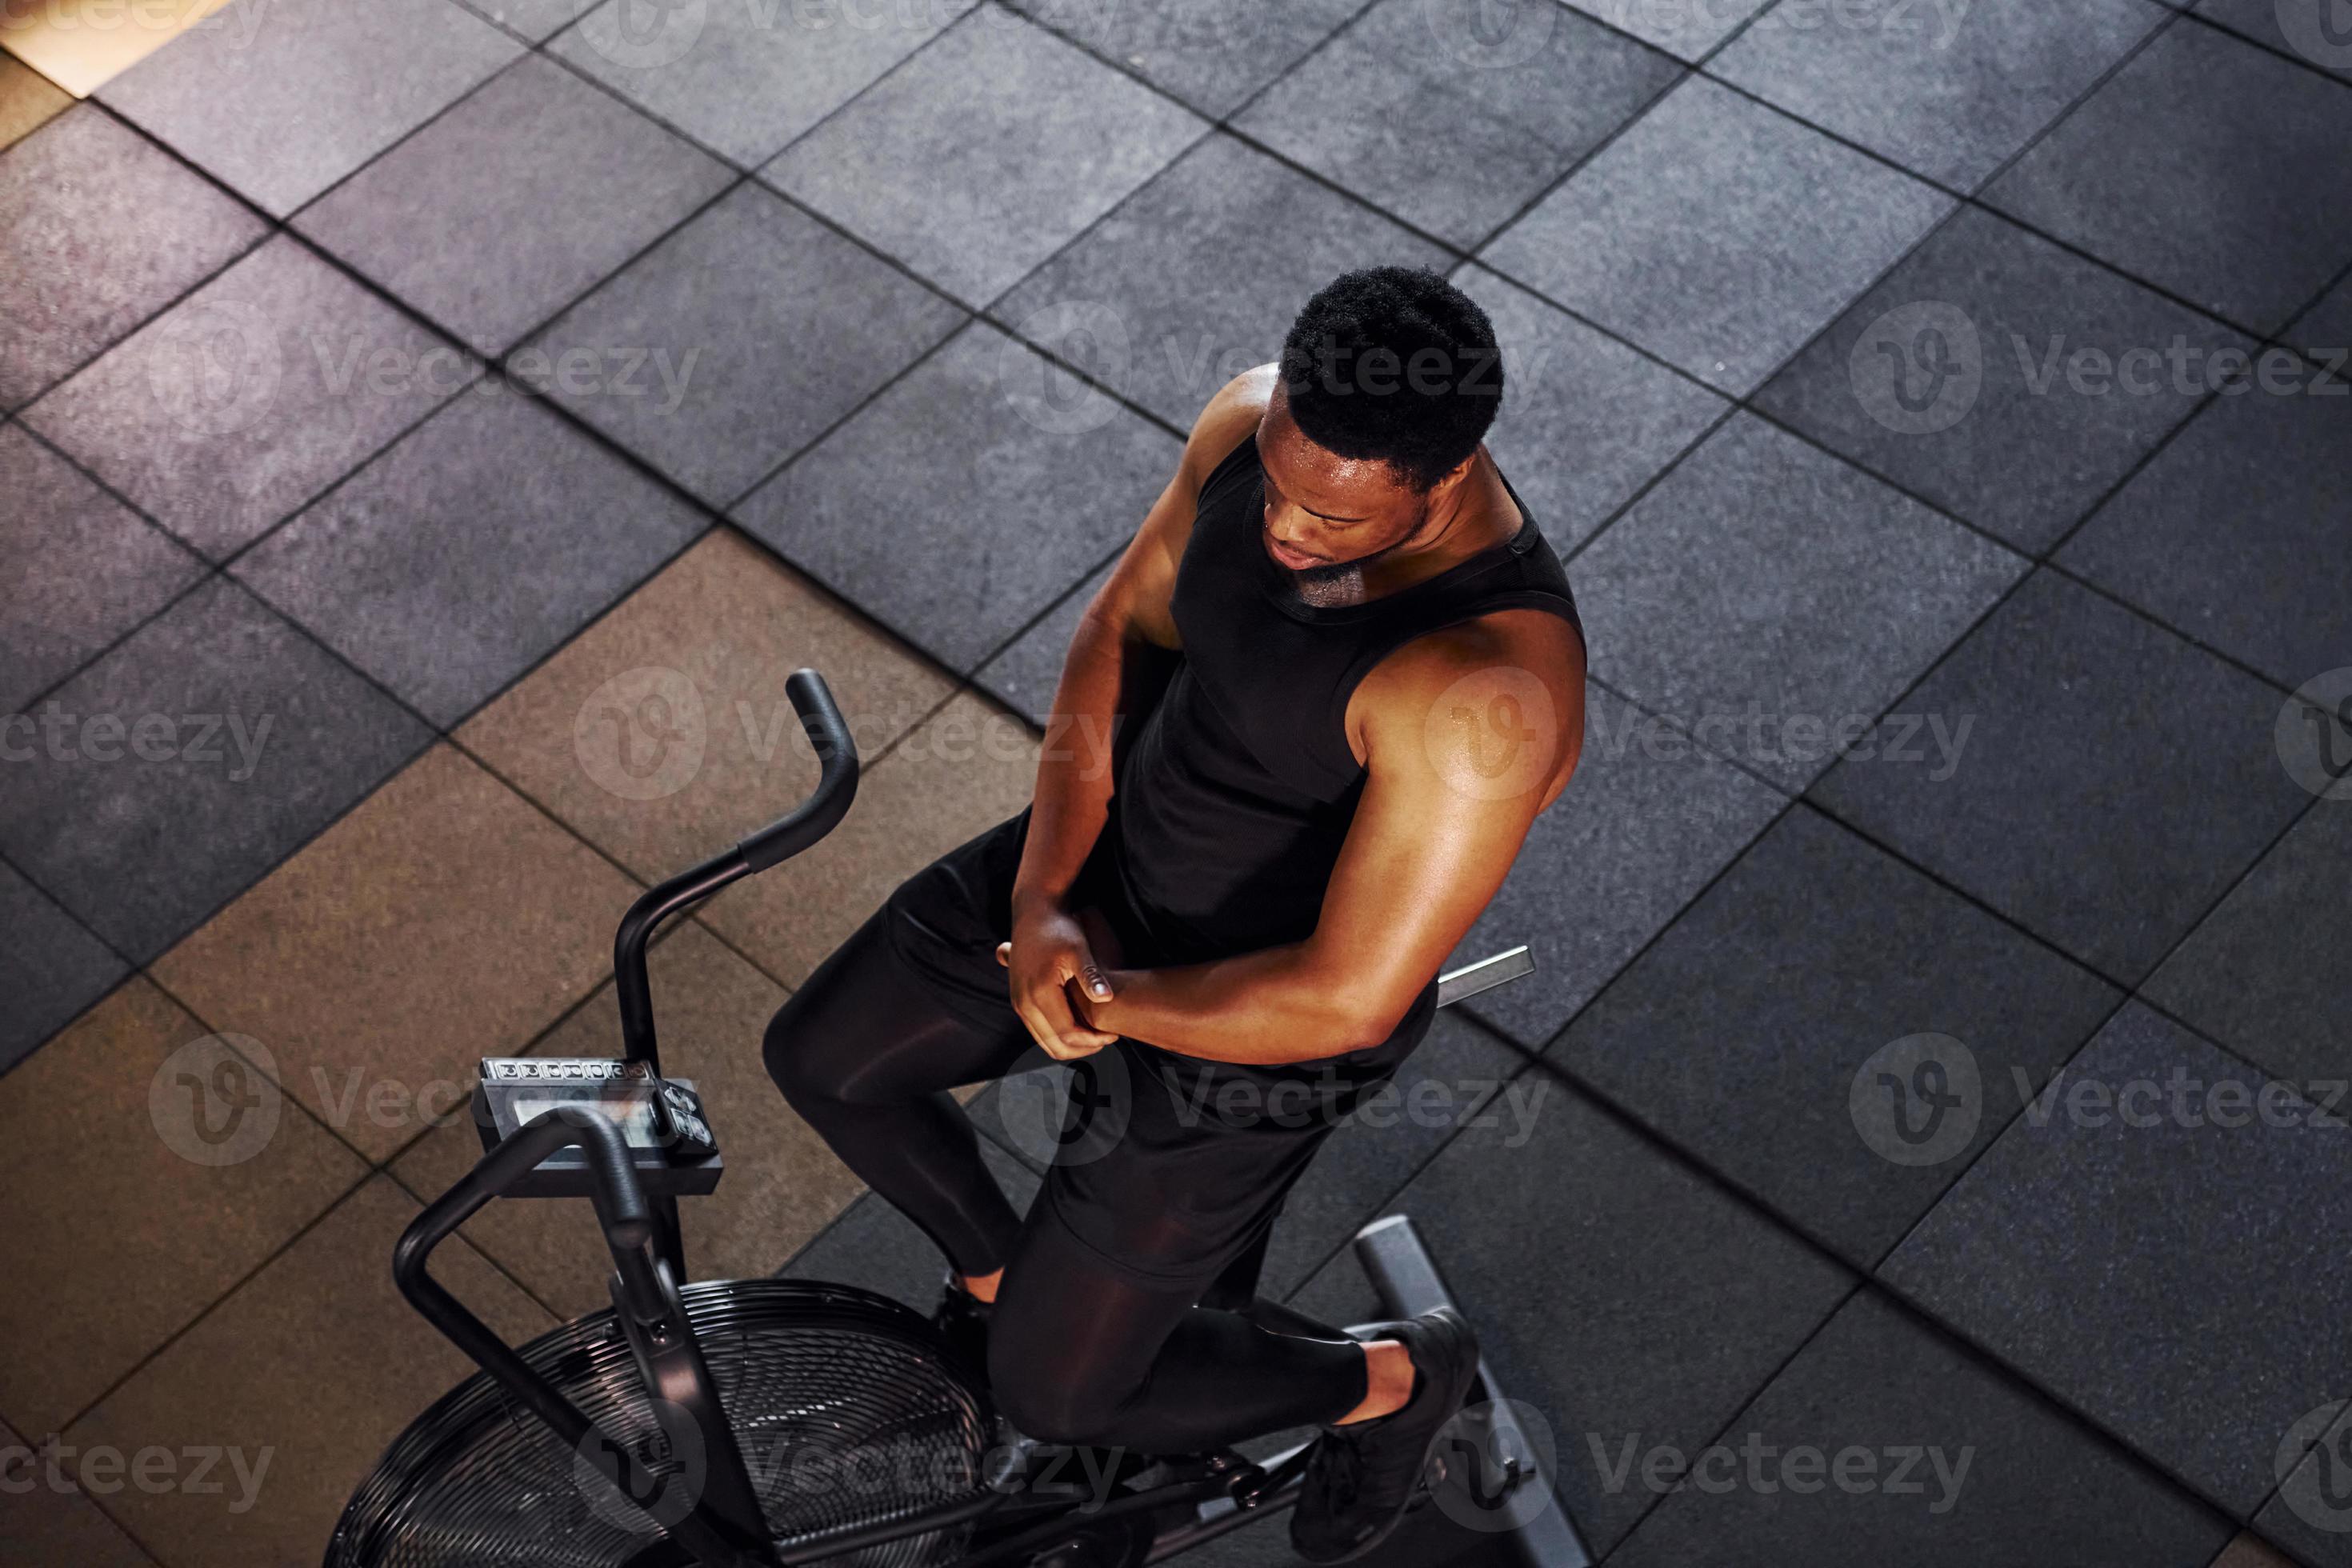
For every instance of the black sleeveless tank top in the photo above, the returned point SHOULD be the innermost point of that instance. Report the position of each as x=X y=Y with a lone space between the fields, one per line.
x=1234 y=795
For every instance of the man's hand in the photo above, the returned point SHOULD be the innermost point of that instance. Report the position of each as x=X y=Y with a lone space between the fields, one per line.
x=1054 y=958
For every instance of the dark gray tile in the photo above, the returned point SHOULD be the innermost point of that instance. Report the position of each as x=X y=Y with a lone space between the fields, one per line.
x=954 y=507
x=507 y=209
x=2310 y=30
x=874 y=1245
x=2309 y=1513
x=2236 y=533
x=99 y=230
x=1136 y=289
x=1717 y=234
x=1690 y=28
x=2266 y=974
x=537 y=20
x=1647 y=821
x=2249 y=142
x=735 y=343
x=354 y=78
x=1741 y=1035
x=987 y=152
x=1586 y=422
x=1949 y=92
x=250 y=396
x=2075 y=809
x=2326 y=333
x=2032 y=380
x=188 y=762
x=1025 y=674
x=457 y=559
x=1947 y=1463
x=1455 y=140
x=2147 y=1249
x=745 y=77
x=82 y=570
x=1612 y=1290
x=1824 y=595
x=1212 y=54
x=51 y=967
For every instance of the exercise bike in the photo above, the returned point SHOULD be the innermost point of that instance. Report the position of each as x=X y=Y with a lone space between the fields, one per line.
x=773 y=1423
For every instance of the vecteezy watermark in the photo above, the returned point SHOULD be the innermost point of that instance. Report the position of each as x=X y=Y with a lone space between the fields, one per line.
x=1494 y=735
x=2181 y=1099
x=2313 y=735
x=647 y=35
x=1065 y=1113
x=1917 y=1100
x=1492 y=35
x=1494 y=1459
x=215 y=1100
x=1919 y=368
x=66 y=18
x=1924 y=1470
x=1175 y=27
x=2313 y=1466
x=2319 y=30
x=100 y=1469
x=1899 y=739
x=1317 y=1093
x=1934 y=22
x=232 y=741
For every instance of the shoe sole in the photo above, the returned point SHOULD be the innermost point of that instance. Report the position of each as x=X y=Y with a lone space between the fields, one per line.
x=1462 y=1383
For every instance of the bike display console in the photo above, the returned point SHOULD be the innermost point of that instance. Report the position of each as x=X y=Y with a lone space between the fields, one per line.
x=660 y=1120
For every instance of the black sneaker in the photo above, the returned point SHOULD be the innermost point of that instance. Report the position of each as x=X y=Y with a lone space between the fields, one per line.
x=1361 y=1478
x=962 y=1319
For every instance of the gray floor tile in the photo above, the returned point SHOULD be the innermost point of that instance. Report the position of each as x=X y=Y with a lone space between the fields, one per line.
x=457 y=559
x=1026 y=676
x=354 y=76
x=948 y=513
x=986 y=155
x=745 y=77
x=537 y=20
x=250 y=396
x=2002 y=1478
x=2154 y=1258
x=736 y=341
x=2236 y=533
x=874 y=1245
x=2032 y=380
x=1947 y=93
x=513 y=203
x=1717 y=234
x=2266 y=974
x=1451 y=142
x=2219 y=208
x=2326 y=333
x=1825 y=594
x=1645 y=825
x=1212 y=54
x=1613 y=1291
x=1586 y=422
x=82 y=570
x=2075 y=809
x=1197 y=277
x=1690 y=28
x=196 y=755
x=2307 y=29
x=2310 y=1512
x=51 y=967
x=1742 y=1034
x=99 y=230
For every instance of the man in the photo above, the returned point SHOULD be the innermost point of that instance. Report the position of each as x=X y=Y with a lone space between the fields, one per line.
x=1345 y=673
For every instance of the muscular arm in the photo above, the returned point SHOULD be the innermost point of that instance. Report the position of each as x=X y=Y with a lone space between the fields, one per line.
x=1466 y=735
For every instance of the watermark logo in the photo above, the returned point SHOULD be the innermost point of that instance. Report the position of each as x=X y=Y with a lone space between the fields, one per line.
x=1494 y=735
x=216 y=1101
x=2313 y=735
x=2314 y=1468
x=1919 y=368
x=1492 y=35
x=1917 y=1100
x=673 y=1467
x=1066 y=1113
x=100 y=1469
x=646 y=34
x=1494 y=1458
x=216 y=367
x=640 y=734
x=1898 y=1469
x=1046 y=396
x=2320 y=30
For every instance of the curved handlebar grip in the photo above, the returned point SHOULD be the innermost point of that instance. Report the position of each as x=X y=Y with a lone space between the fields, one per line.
x=822 y=812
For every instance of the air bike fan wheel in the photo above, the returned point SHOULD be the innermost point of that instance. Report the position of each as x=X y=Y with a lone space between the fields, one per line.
x=843 y=1404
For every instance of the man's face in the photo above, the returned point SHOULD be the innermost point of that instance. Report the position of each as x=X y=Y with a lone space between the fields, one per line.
x=1326 y=513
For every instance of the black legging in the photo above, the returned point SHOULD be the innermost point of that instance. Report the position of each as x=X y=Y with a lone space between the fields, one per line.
x=1080 y=1350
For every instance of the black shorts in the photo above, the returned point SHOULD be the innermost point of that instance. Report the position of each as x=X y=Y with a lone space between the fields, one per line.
x=1166 y=1165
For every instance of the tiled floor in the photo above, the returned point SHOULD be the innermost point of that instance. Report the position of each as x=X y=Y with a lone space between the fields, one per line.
x=429 y=433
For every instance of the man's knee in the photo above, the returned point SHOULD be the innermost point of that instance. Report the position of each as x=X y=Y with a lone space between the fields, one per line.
x=794 y=1062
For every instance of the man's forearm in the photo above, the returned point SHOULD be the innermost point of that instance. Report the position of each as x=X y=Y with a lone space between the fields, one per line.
x=1280 y=1004
x=1073 y=769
